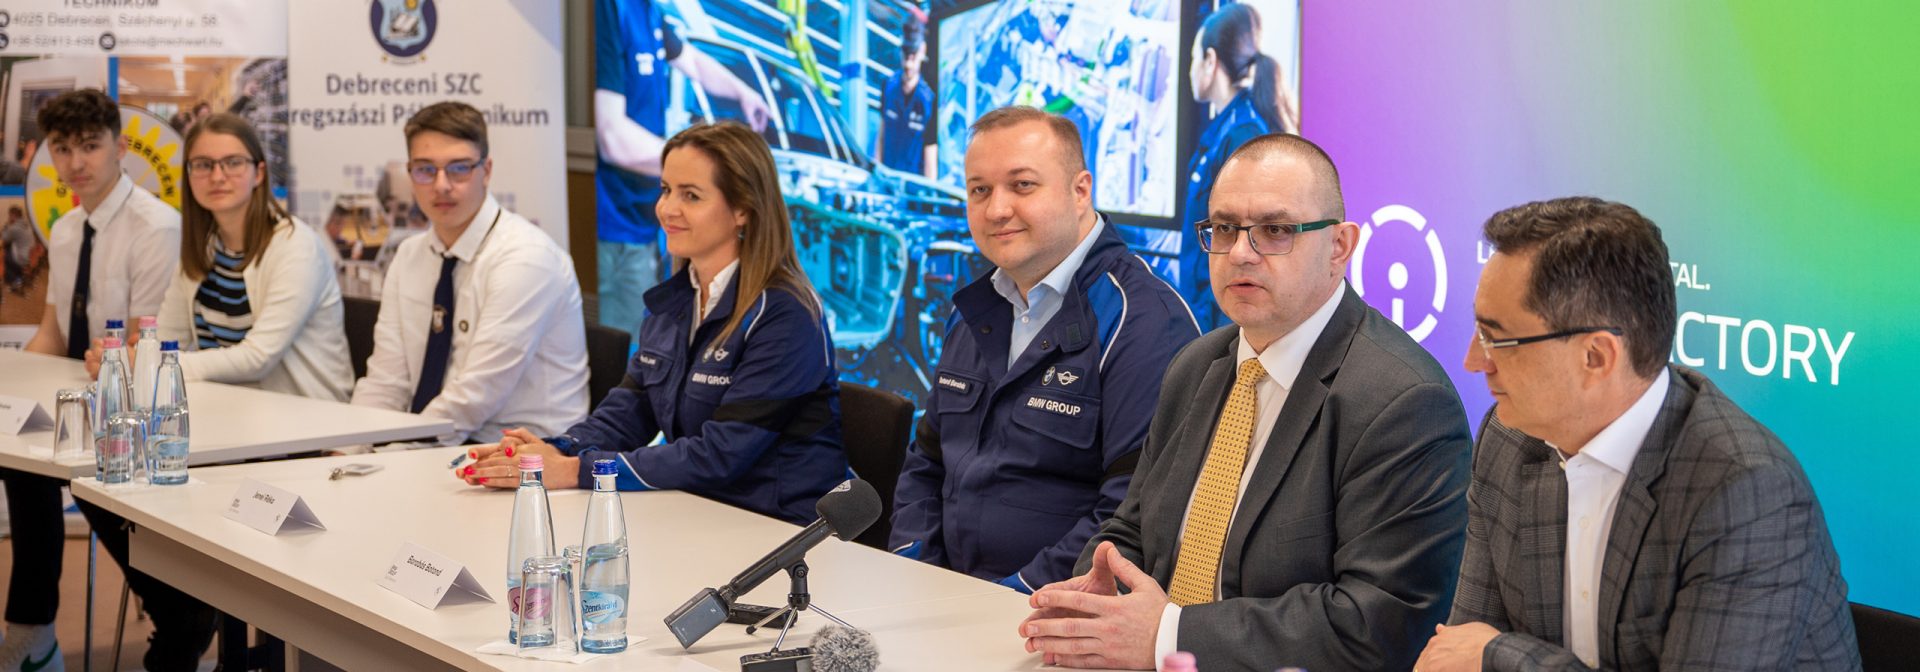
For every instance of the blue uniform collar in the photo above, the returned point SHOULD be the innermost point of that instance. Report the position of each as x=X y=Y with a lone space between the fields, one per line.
x=981 y=307
x=675 y=296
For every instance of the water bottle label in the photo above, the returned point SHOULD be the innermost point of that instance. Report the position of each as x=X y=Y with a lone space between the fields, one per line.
x=538 y=604
x=602 y=607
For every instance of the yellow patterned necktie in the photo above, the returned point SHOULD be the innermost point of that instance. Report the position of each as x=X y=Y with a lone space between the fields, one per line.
x=1197 y=570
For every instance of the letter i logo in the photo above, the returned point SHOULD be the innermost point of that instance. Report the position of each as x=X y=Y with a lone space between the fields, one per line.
x=1398 y=276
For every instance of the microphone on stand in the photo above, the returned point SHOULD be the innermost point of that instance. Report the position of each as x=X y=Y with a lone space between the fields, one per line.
x=846 y=511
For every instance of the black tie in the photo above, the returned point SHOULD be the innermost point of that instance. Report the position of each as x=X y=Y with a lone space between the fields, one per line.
x=82 y=281
x=433 y=371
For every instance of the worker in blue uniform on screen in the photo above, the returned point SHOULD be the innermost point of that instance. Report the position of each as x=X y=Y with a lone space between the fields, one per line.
x=633 y=46
x=1245 y=90
x=735 y=368
x=1050 y=372
x=906 y=139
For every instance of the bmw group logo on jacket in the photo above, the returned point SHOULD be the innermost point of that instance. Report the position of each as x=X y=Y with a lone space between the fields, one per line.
x=753 y=421
x=1013 y=468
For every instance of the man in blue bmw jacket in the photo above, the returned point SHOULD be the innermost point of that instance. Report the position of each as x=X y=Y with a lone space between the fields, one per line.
x=1050 y=373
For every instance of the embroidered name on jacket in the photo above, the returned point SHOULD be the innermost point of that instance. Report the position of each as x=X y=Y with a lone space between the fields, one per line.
x=1055 y=407
x=649 y=360
x=955 y=384
x=712 y=379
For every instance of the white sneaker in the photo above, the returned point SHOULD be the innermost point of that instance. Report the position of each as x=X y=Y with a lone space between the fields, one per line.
x=31 y=648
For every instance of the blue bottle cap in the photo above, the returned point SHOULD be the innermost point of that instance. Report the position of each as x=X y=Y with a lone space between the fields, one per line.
x=603 y=468
x=169 y=346
x=116 y=324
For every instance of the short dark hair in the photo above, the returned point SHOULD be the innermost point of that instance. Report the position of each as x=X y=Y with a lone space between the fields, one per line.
x=1277 y=144
x=453 y=118
x=913 y=35
x=1596 y=263
x=1068 y=134
x=81 y=113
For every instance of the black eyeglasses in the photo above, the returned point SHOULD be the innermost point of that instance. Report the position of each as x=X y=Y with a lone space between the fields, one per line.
x=1271 y=239
x=458 y=172
x=1488 y=345
x=232 y=165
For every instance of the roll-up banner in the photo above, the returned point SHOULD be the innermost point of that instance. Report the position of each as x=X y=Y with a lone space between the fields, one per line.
x=169 y=64
x=361 y=69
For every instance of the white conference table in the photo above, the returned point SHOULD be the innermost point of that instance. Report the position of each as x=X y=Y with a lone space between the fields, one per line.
x=317 y=589
x=230 y=423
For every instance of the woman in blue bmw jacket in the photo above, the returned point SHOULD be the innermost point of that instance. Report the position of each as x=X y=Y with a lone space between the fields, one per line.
x=735 y=368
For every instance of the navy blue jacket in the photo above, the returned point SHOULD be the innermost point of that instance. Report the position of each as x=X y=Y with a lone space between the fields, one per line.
x=754 y=422
x=1013 y=469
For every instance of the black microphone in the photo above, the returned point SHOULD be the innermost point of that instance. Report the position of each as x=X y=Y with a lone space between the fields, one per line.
x=846 y=511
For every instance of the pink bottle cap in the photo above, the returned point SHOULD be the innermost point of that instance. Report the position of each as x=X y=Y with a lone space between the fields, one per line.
x=147 y=321
x=110 y=342
x=530 y=462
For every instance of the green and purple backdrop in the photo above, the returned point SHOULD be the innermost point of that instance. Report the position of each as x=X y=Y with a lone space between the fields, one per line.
x=1772 y=141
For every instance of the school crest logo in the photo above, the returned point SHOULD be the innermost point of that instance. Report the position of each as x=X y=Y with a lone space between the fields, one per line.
x=404 y=28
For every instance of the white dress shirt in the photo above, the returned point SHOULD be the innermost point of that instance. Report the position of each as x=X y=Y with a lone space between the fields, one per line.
x=136 y=249
x=519 y=356
x=1283 y=360
x=714 y=289
x=298 y=342
x=1594 y=478
x=1031 y=312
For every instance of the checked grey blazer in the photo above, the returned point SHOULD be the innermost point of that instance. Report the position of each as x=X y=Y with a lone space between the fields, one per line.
x=1718 y=559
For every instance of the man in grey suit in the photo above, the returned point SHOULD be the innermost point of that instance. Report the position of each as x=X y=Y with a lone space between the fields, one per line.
x=1302 y=497
x=1626 y=515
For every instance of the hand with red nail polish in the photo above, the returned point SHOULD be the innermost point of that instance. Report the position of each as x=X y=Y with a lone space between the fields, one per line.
x=497 y=466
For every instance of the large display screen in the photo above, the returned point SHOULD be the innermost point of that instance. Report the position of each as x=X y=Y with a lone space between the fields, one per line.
x=866 y=106
x=1110 y=67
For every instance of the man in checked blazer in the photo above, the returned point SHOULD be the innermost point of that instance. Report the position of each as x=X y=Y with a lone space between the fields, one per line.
x=1311 y=517
x=1626 y=515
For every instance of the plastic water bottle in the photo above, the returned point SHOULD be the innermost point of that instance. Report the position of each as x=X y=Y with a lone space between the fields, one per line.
x=117 y=447
x=146 y=363
x=167 y=439
x=603 y=568
x=530 y=537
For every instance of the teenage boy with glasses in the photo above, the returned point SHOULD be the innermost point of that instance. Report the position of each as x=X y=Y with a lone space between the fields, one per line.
x=480 y=319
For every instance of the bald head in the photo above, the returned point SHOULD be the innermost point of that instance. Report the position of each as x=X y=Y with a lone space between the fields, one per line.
x=1277 y=152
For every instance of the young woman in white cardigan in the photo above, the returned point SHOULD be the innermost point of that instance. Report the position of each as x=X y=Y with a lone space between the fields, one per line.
x=255 y=301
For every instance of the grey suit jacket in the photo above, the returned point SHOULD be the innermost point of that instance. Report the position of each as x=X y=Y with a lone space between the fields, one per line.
x=1718 y=558
x=1342 y=551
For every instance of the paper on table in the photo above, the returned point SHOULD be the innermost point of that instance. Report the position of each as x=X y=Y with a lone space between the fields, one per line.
x=18 y=414
x=73 y=460
x=558 y=653
x=136 y=484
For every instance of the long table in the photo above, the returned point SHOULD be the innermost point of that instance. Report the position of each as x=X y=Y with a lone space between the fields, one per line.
x=317 y=589
x=230 y=423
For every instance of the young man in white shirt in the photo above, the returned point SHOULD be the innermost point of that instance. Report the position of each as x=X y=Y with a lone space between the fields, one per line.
x=480 y=320
x=104 y=266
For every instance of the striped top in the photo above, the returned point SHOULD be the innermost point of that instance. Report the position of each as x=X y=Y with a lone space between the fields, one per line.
x=221 y=313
